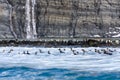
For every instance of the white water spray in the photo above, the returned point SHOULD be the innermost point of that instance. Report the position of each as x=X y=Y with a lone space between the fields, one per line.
x=30 y=20
x=33 y=19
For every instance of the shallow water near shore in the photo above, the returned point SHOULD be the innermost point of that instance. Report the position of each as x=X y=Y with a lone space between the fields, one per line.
x=39 y=65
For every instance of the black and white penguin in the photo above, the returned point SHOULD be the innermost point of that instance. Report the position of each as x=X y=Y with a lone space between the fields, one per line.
x=28 y=53
x=97 y=51
x=36 y=53
x=41 y=51
x=107 y=52
x=83 y=51
x=60 y=51
x=49 y=52
x=10 y=50
x=3 y=51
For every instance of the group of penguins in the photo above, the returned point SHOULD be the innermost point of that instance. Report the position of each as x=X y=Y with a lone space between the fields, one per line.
x=106 y=51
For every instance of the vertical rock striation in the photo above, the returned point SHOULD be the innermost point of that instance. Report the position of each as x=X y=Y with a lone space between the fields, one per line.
x=32 y=19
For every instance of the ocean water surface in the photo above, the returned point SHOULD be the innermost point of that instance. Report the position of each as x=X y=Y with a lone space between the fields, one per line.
x=36 y=63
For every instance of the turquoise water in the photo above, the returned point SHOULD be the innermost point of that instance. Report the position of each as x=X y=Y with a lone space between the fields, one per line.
x=24 y=73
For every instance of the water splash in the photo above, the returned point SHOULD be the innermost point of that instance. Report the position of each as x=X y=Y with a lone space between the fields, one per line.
x=90 y=61
x=56 y=66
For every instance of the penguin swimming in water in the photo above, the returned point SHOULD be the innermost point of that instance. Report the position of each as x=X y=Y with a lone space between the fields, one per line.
x=72 y=50
x=110 y=50
x=24 y=52
x=35 y=53
x=83 y=51
x=3 y=51
x=60 y=51
x=41 y=51
x=107 y=52
x=75 y=53
x=64 y=49
x=10 y=50
x=97 y=51
x=49 y=52
x=28 y=53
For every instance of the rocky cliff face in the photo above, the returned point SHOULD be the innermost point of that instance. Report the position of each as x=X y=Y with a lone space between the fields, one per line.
x=59 y=18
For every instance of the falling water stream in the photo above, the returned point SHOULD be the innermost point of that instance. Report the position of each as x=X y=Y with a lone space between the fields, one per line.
x=30 y=19
x=33 y=19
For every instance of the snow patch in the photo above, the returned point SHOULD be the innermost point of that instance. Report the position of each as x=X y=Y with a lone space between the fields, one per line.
x=118 y=35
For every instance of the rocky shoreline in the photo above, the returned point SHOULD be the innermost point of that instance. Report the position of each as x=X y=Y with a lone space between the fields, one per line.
x=61 y=42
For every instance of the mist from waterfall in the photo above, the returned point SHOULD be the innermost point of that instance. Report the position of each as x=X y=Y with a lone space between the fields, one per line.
x=30 y=20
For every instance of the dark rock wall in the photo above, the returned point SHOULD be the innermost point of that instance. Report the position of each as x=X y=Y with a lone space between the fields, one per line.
x=62 y=18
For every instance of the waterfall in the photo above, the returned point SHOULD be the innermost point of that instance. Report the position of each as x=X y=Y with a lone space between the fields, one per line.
x=30 y=20
x=33 y=19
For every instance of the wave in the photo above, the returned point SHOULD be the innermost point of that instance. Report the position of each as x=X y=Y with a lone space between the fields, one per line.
x=89 y=61
x=24 y=73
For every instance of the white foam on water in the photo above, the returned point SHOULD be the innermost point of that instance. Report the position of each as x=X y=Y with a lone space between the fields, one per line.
x=91 y=61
